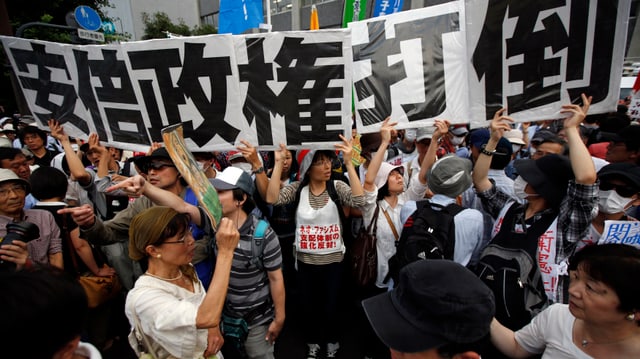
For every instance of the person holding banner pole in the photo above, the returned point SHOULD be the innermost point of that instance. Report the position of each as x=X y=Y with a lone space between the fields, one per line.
x=319 y=237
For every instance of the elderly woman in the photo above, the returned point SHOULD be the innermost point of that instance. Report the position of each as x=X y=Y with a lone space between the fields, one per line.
x=176 y=315
x=602 y=317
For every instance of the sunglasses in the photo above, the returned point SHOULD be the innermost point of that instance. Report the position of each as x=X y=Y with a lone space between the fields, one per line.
x=624 y=191
x=157 y=166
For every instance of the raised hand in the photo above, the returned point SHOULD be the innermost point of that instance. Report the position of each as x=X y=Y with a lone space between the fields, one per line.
x=500 y=123
x=576 y=113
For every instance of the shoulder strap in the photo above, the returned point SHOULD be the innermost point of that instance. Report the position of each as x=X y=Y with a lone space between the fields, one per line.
x=453 y=209
x=333 y=194
x=144 y=346
x=391 y=225
x=257 y=243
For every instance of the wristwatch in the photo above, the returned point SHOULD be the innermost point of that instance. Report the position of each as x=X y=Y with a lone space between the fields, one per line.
x=258 y=170
x=488 y=153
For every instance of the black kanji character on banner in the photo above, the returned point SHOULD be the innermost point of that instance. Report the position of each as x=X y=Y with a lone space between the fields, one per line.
x=530 y=41
x=107 y=69
x=379 y=48
x=304 y=109
x=195 y=67
x=46 y=86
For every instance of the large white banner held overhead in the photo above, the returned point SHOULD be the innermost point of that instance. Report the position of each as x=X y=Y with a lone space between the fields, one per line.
x=411 y=66
x=534 y=56
x=460 y=60
x=289 y=87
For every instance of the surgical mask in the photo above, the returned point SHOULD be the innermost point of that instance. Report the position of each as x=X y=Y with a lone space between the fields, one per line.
x=410 y=134
x=456 y=141
x=386 y=155
x=516 y=147
x=519 y=184
x=243 y=166
x=611 y=202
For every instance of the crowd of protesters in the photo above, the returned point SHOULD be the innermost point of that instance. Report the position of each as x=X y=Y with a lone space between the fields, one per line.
x=193 y=288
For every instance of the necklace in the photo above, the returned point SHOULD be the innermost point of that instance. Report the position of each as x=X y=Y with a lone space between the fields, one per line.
x=585 y=342
x=180 y=276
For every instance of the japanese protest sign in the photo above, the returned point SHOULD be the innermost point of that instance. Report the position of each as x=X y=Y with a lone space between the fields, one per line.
x=534 y=56
x=622 y=232
x=410 y=66
x=464 y=60
x=289 y=87
x=458 y=60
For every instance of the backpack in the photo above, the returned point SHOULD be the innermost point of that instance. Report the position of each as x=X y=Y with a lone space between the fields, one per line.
x=429 y=233
x=509 y=266
x=257 y=244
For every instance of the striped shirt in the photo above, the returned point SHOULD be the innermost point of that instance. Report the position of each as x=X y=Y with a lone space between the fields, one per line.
x=248 y=284
x=288 y=195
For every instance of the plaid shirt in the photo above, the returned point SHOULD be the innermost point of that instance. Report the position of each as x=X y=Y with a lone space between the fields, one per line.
x=577 y=210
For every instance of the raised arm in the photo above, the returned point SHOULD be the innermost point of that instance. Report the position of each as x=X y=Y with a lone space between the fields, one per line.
x=137 y=185
x=76 y=168
x=581 y=162
x=498 y=125
x=210 y=309
x=442 y=127
x=107 y=162
x=376 y=161
x=347 y=149
x=273 y=189
x=251 y=154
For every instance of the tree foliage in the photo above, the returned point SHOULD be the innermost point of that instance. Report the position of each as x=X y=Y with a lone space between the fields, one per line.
x=158 y=25
x=47 y=11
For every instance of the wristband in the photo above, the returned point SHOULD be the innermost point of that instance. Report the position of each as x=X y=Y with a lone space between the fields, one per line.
x=488 y=153
x=259 y=170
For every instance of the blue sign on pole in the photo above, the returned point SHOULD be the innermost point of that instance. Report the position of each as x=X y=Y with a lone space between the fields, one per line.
x=236 y=16
x=386 y=7
x=87 y=18
x=108 y=27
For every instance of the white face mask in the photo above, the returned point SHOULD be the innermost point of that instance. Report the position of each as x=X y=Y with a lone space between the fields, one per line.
x=611 y=202
x=456 y=141
x=519 y=184
x=244 y=166
x=386 y=155
x=516 y=147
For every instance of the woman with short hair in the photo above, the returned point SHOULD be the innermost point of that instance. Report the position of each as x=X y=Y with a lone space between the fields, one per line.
x=602 y=319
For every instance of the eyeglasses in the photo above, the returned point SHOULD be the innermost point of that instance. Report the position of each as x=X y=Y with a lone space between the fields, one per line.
x=16 y=188
x=623 y=191
x=157 y=166
x=322 y=163
x=182 y=239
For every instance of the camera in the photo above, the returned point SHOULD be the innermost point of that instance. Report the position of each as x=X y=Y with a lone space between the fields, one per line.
x=22 y=231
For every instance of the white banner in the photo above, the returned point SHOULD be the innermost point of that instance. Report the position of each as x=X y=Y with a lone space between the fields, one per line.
x=289 y=87
x=461 y=61
x=411 y=66
x=534 y=56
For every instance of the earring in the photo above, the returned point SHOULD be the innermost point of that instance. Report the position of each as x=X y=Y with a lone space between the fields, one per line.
x=158 y=255
x=630 y=317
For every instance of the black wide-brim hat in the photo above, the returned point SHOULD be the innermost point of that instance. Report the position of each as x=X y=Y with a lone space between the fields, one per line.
x=549 y=176
x=436 y=302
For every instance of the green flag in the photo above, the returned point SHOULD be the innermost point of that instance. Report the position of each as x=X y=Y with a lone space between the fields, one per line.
x=354 y=10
